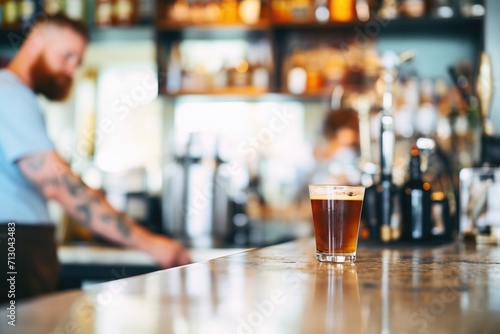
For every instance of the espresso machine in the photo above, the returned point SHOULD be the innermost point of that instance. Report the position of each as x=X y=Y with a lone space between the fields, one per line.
x=196 y=196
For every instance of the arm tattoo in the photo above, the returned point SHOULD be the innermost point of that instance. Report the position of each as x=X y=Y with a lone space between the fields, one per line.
x=122 y=226
x=86 y=211
x=87 y=215
x=106 y=217
x=121 y=223
x=73 y=186
x=35 y=163
x=50 y=182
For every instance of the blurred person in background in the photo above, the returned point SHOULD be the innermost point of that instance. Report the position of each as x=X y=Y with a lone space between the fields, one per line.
x=337 y=152
x=335 y=155
x=32 y=172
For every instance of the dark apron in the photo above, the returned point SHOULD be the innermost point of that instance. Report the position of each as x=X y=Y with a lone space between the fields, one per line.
x=35 y=268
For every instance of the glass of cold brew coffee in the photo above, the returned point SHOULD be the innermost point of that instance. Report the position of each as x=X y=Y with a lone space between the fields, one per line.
x=336 y=214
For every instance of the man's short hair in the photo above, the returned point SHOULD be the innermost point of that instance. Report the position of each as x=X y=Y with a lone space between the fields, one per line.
x=339 y=119
x=63 y=21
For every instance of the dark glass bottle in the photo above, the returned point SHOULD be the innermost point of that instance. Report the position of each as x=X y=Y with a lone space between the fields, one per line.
x=26 y=11
x=124 y=12
x=416 y=203
x=103 y=13
x=10 y=13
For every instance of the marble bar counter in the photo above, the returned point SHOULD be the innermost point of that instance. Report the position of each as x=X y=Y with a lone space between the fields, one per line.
x=283 y=289
x=84 y=264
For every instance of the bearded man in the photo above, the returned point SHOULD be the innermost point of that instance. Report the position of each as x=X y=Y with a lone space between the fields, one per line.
x=32 y=172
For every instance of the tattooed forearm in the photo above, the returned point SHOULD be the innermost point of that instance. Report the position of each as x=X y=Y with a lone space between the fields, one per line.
x=107 y=217
x=120 y=220
x=73 y=187
x=86 y=211
x=54 y=182
x=53 y=177
x=36 y=162
x=122 y=226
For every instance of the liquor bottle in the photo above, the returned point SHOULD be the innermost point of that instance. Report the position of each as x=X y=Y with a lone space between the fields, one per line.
x=321 y=13
x=2 y=7
x=342 y=10
x=472 y=8
x=388 y=9
x=174 y=72
x=26 y=12
x=124 y=12
x=103 y=13
x=416 y=203
x=11 y=14
x=363 y=10
x=386 y=188
x=229 y=11
x=281 y=11
x=260 y=64
x=302 y=10
x=412 y=8
x=249 y=11
x=75 y=9
x=52 y=7
x=146 y=11
x=443 y=9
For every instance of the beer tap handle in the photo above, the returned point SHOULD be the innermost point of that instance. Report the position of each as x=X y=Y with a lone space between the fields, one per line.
x=363 y=109
x=390 y=63
x=484 y=91
x=336 y=99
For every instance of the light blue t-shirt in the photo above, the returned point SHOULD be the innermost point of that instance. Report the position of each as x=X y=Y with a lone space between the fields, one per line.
x=22 y=132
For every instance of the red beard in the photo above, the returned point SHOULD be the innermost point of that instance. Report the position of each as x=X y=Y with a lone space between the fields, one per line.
x=54 y=86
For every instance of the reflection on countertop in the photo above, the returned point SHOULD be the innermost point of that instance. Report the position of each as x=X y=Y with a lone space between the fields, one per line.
x=257 y=234
x=107 y=255
x=283 y=289
x=90 y=262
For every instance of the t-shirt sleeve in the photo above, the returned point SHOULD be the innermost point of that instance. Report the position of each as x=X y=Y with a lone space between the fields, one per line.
x=22 y=125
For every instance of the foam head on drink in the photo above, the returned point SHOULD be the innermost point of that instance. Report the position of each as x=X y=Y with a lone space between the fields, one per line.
x=336 y=214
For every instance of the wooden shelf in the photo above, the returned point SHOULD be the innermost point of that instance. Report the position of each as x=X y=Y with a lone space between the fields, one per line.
x=169 y=26
x=232 y=95
x=147 y=29
x=280 y=32
x=396 y=23
x=330 y=25
x=249 y=92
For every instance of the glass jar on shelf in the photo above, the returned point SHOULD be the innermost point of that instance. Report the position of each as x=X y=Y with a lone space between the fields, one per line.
x=342 y=10
x=52 y=7
x=124 y=12
x=293 y=10
x=249 y=11
x=280 y=10
x=26 y=12
x=103 y=13
x=229 y=11
x=178 y=12
x=10 y=14
x=388 y=9
x=321 y=11
x=75 y=9
x=472 y=8
x=412 y=8
x=443 y=9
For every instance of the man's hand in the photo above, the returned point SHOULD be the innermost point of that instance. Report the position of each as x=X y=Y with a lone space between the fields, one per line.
x=167 y=252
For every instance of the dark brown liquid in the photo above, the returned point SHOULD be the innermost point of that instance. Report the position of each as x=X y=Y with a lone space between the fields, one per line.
x=336 y=225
